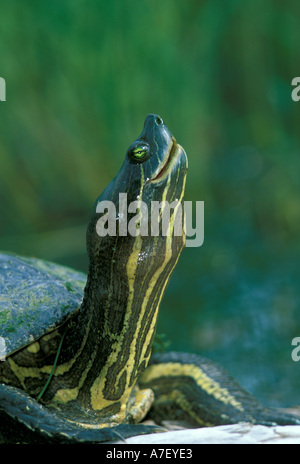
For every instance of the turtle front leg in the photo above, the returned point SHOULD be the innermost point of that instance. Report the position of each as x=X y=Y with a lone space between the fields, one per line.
x=139 y=404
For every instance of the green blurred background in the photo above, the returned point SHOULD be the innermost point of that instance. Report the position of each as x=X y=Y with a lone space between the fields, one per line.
x=81 y=77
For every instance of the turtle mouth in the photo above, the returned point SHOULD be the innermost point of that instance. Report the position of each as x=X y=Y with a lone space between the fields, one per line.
x=169 y=162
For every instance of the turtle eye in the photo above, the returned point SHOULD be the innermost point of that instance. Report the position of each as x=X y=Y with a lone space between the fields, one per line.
x=138 y=153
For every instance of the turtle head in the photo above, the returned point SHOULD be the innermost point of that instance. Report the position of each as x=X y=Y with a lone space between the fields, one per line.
x=157 y=152
x=145 y=197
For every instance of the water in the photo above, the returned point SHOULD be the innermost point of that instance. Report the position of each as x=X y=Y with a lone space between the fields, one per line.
x=241 y=312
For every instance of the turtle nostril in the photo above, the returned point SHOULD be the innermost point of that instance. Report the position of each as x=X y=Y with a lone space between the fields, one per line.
x=158 y=120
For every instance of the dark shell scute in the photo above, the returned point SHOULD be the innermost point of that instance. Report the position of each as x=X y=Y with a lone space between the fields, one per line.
x=35 y=297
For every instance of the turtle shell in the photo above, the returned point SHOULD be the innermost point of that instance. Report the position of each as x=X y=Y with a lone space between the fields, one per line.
x=36 y=296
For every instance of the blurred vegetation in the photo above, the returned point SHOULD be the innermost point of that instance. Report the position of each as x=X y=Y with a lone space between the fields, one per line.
x=82 y=75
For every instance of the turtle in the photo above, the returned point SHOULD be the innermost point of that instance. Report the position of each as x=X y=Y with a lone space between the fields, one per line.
x=78 y=364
